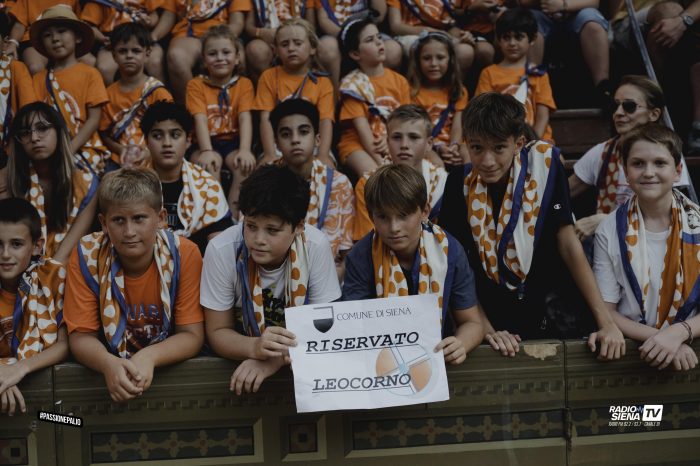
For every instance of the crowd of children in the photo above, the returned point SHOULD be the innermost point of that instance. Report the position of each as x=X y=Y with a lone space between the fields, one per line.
x=147 y=208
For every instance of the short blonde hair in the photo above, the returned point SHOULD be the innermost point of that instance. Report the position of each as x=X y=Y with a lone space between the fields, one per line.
x=310 y=35
x=397 y=188
x=130 y=186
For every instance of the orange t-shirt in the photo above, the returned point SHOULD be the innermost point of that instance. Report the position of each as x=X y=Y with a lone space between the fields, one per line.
x=479 y=21
x=179 y=7
x=435 y=8
x=120 y=102
x=284 y=8
x=107 y=18
x=82 y=85
x=142 y=295
x=28 y=11
x=506 y=80
x=204 y=99
x=276 y=85
x=390 y=89
x=342 y=12
x=7 y=307
x=434 y=101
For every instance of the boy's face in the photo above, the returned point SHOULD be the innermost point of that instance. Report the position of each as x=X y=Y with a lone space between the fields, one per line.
x=651 y=170
x=132 y=228
x=492 y=159
x=514 y=45
x=59 y=41
x=409 y=142
x=400 y=231
x=167 y=142
x=16 y=251
x=296 y=139
x=220 y=57
x=130 y=56
x=268 y=239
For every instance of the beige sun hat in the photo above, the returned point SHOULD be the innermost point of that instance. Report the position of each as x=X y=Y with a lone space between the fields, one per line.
x=62 y=14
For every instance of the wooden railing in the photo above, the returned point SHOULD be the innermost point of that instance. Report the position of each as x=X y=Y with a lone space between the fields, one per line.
x=547 y=406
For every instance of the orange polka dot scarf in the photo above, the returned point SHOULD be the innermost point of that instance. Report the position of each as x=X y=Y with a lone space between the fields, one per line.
x=198 y=11
x=84 y=189
x=320 y=187
x=429 y=267
x=434 y=13
x=343 y=9
x=38 y=310
x=296 y=284
x=606 y=182
x=506 y=243
x=680 y=287
x=435 y=178
x=128 y=10
x=5 y=97
x=102 y=272
x=271 y=13
x=128 y=123
x=202 y=201
x=357 y=85
x=94 y=151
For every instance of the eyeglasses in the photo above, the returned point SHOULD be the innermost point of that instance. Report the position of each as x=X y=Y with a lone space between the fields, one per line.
x=24 y=135
x=628 y=106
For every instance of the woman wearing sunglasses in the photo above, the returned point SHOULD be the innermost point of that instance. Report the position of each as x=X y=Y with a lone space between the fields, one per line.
x=637 y=102
x=42 y=169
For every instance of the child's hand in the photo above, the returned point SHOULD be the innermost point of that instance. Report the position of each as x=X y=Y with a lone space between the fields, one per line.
x=612 y=342
x=466 y=37
x=586 y=226
x=122 y=379
x=244 y=161
x=685 y=359
x=660 y=349
x=454 y=350
x=210 y=160
x=381 y=148
x=10 y=399
x=144 y=364
x=454 y=156
x=267 y=159
x=9 y=49
x=274 y=342
x=505 y=342
x=249 y=374
x=11 y=374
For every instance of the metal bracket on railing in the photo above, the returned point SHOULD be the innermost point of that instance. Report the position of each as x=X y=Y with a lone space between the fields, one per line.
x=649 y=67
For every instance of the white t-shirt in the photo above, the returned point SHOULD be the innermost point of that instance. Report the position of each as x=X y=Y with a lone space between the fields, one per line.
x=611 y=276
x=587 y=168
x=221 y=287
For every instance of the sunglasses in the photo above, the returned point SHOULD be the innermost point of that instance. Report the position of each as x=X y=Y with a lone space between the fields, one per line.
x=628 y=106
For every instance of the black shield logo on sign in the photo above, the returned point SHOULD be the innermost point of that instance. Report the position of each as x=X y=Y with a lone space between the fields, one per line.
x=325 y=320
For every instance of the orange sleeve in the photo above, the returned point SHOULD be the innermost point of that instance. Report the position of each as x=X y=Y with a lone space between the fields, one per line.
x=19 y=11
x=404 y=90
x=96 y=92
x=242 y=5
x=80 y=307
x=326 y=103
x=361 y=222
x=195 y=97
x=160 y=94
x=22 y=86
x=246 y=92
x=485 y=84
x=187 y=307
x=265 y=97
x=543 y=92
x=93 y=14
x=463 y=101
x=352 y=108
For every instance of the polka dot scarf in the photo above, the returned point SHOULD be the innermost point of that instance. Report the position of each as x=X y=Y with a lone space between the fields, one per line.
x=434 y=13
x=610 y=169
x=84 y=189
x=271 y=13
x=202 y=201
x=38 y=310
x=119 y=128
x=320 y=186
x=506 y=243
x=204 y=10
x=94 y=151
x=680 y=287
x=435 y=178
x=103 y=274
x=295 y=289
x=357 y=85
x=5 y=97
x=430 y=265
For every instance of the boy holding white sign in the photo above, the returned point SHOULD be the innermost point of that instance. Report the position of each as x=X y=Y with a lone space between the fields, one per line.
x=255 y=269
x=407 y=255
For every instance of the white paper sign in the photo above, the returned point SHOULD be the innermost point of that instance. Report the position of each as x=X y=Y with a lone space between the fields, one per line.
x=367 y=354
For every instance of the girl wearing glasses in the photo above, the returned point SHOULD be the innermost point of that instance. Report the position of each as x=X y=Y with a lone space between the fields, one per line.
x=42 y=169
x=637 y=101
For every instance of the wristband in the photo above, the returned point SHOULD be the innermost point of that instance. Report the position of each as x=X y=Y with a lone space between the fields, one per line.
x=685 y=324
x=13 y=41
